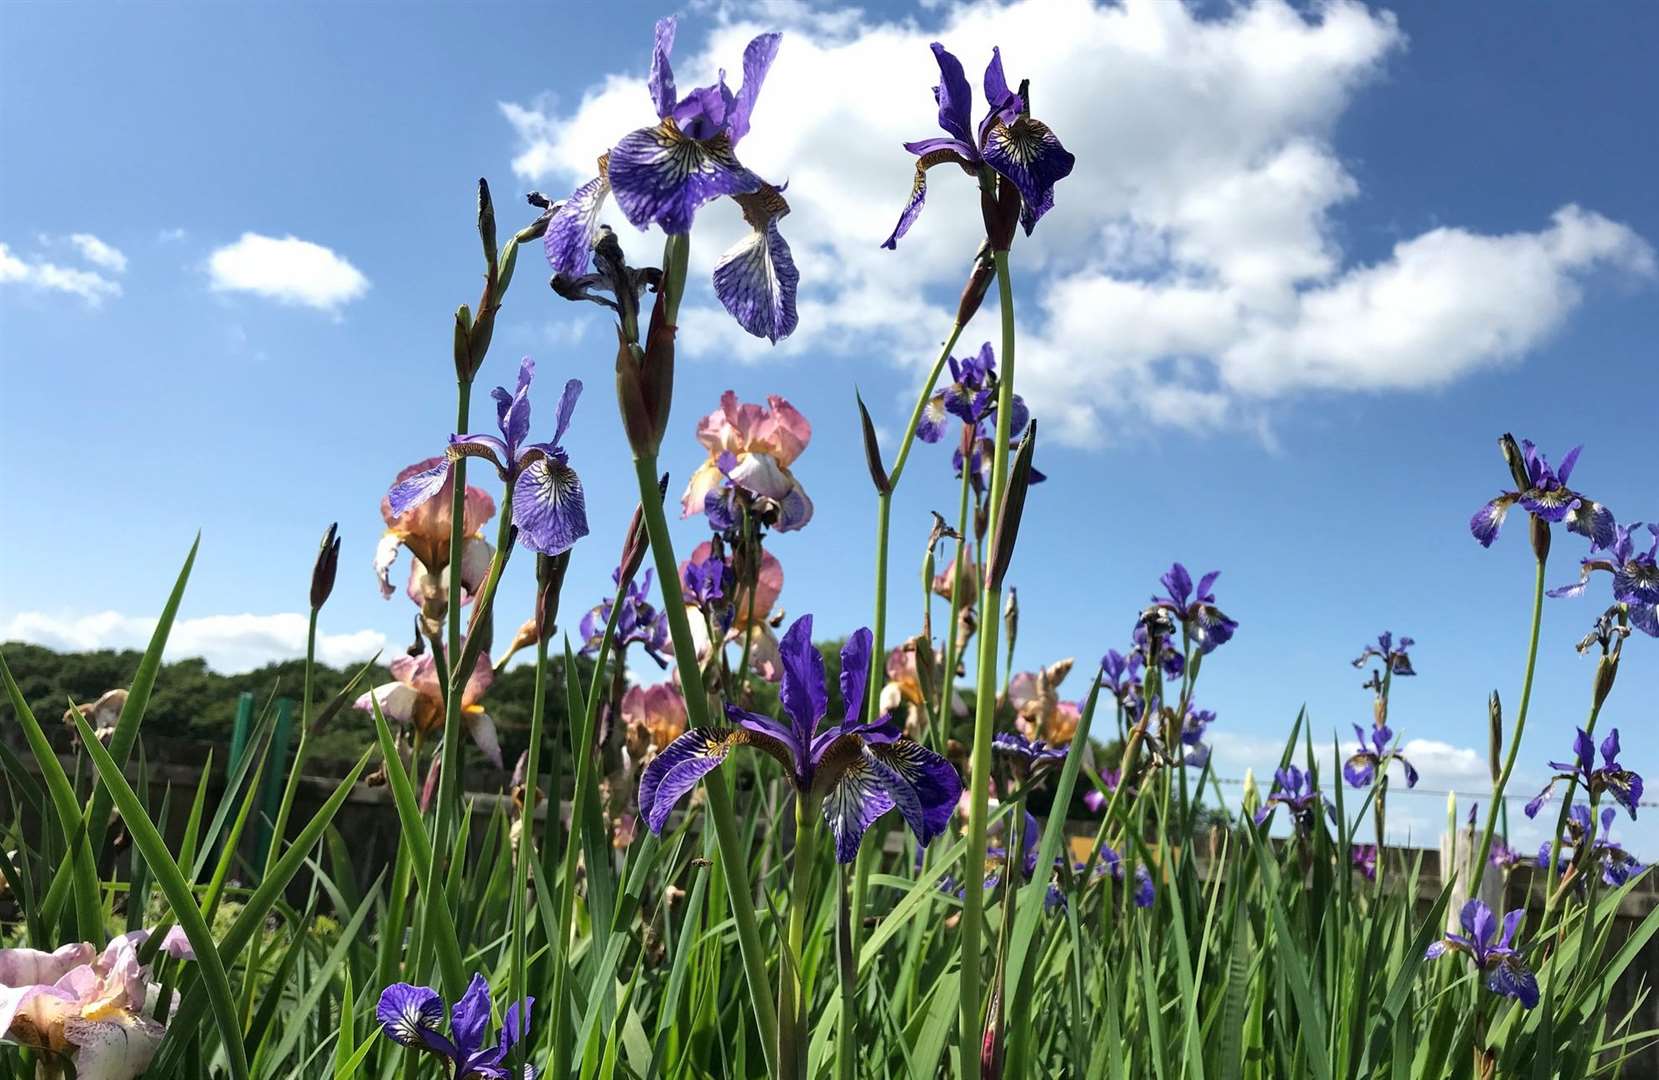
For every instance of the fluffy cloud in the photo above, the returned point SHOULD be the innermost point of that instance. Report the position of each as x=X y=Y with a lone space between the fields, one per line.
x=229 y=643
x=1189 y=275
x=289 y=270
x=98 y=253
x=38 y=273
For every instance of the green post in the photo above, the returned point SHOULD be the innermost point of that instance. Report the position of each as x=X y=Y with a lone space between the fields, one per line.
x=239 y=734
x=270 y=785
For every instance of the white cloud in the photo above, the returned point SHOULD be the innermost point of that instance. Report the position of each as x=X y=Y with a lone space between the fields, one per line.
x=92 y=287
x=228 y=643
x=289 y=270
x=1191 y=273
x=98 y=253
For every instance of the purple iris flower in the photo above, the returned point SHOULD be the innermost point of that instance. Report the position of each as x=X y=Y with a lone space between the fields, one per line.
x=1616 y=865
x=1364 y=858
x=980 y=451
x=1506 y=973
x=1635 y=575
x=1294 y=790
x=637 y=623
x=548 y=505
x=1374 y=753
x=861 y=769
x=1505 y=858
x=1112 y=863
x=409 y=1015
x=1610 y=778
x=971 y=397
x=1027 y=756
x=1195 y=608
x=703 y=581
x=664 y=174
x=1391 y=655
x=1543 y=492
x=1169 y=657
x=1022 y=150
x=1122 y=674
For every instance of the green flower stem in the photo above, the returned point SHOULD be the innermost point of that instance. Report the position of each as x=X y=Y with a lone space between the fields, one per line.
x=581 y=748
x=792 y=997
x=527 y=823
x=279 y=831
x=947 y=677
x=449 y=779
x=846 y=1055
x=1552 y=896
x=969 y=1028
x=884 y=503
x=733 y=859
x=1520 y=728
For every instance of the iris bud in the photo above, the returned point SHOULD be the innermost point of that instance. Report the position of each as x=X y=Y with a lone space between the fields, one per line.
x=979 y=282
x=872 y=450
x=322 y=571
x=550 y=580
x=1013 y=508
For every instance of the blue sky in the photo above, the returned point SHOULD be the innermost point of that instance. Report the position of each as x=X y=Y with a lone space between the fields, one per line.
x=1310 y=265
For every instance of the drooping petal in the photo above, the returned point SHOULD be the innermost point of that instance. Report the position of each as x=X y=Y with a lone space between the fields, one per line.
x=1411 y=771
x=418 y=488
x=761 y=475
x=930 y=152
x=1511 y=978
x=1592 y=519
x=794 y=509
x=1029 y=155
x=853 y=804
x=934 y=780
x=397 y=702
x=410 y=1015
x=571 y=233
x=672 y=774
x=1489 y=519
x=548 y=505
x=1360 y=769
x=661 y=176
x=385 y=555
x=116 y=1049
x=707 y=478
x=482 y=729
x=756 y=280
x=757 y=61
x=934 y=420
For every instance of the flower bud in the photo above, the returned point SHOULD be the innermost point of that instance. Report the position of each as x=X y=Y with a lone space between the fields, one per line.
x=463 y=347
x=872 y=450
x=999 y=204
x=1516 y=461
x=1494 y=716
x=322 y=571
x=636 y=541
x=550 y=580
x=645 y=382
x=1011 y=618
x=1607 y=669
x=1012 y=509
x=1540 y=537
x=979 y=282
x=486 y=222
x=1252 y=797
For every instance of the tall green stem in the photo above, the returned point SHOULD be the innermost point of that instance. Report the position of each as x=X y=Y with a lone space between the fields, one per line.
x=279 y=829
x=527 y=825
x=884 y=502
x=969 y=1029
x=449 y=779
x=1520 y=727
x=792 y=1000
x=733 y=858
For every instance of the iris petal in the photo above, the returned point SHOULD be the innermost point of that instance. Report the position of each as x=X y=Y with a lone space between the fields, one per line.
x=756 y=280
x=675 y=771
x=1029 y=154
x=548 y=505
x=662 y=176
x=857 y=799
x=933 y=778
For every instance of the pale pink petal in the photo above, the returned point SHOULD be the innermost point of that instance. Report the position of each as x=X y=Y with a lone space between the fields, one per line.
x=113 y=1049
x=704 y=480
x=482 y=730
x=768 y=586
x=483 y=676
x=1023 y=692
x=397 y=702
x=784 y=433
x=761 y=474
x=476 y=557
x=385 y=554
x=744 y=421
x=715 y=432
x=764 y=659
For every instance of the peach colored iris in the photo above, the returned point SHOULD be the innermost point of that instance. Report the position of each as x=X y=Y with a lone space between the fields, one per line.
x=654 y=717
x=416 y=700
x=752 y=615
x=764 y=441
x=1038 y=711
x=424 y=530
